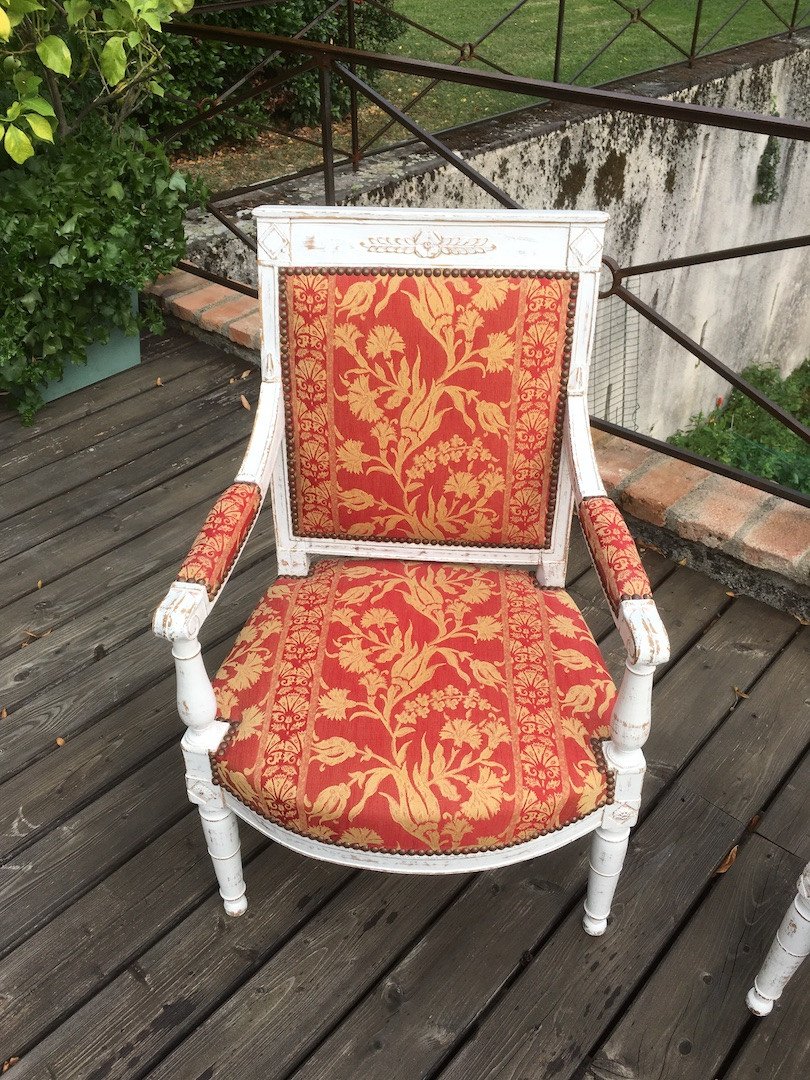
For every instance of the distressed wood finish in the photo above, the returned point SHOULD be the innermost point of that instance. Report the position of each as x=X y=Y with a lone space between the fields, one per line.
x=424 y=241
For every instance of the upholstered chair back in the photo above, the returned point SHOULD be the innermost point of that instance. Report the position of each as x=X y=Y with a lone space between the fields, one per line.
x=425 y=404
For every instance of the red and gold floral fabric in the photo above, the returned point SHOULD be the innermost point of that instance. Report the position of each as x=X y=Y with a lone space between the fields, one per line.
x=220 y=539
x=614 y=551
x=425 y=407
x=415 y=707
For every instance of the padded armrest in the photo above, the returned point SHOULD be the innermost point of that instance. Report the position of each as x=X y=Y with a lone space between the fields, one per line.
x=624 y=580
x=222 y=537
x=613 y=551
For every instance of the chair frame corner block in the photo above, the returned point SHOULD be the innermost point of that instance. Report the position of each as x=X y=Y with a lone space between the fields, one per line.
x=411 y=238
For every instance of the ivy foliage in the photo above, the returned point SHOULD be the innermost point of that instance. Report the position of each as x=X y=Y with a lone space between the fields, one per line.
x=89 y=208
x=85 y=224
x=196 y=72
x=741 y=433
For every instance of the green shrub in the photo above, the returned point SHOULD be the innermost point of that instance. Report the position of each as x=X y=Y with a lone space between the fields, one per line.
x=100 y=215
x=198 y=71
x=741 y=433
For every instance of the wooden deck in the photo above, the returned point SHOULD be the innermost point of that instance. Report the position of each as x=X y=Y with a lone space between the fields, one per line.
x=118 y=960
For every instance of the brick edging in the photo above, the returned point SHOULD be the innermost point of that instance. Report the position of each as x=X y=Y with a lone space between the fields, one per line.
x=756 y=543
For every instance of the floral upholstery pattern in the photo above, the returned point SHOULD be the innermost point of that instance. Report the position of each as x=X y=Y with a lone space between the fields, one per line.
x=415 y=707
x=614 y=551
x=220 y=539
x=425 y=405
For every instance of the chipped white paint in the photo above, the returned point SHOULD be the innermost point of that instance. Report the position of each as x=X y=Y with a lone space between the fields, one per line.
x=355 y=237
x=790 y=946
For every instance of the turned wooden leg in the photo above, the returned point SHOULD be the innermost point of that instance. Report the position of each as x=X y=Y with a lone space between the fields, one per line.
x=790 y=946
x=608 y=849
x=629 y=727
x=197 y=706
x=221 y=831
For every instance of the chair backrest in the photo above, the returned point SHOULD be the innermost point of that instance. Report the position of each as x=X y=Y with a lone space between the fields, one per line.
x=425 y=358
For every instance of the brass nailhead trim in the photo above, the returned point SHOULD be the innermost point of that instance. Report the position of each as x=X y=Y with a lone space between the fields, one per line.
x=286 y=381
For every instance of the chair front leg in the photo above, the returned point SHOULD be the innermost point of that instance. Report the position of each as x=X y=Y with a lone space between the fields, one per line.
x=790 y=946
x=197 y=707
x=629 y=728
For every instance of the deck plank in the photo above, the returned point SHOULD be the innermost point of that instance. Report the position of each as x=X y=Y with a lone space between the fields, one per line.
x=121 y=961
x=71 y=550
x=175 y=355
x=688 y=1017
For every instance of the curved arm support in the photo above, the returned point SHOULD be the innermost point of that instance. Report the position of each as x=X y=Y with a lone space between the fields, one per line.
x=187 y=604
x=642 y=632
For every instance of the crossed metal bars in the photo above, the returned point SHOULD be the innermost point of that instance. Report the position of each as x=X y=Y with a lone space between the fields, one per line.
x=343 y=61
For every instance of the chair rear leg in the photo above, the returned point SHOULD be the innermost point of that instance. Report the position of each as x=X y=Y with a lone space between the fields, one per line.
x=790 y=946
x=608 y=849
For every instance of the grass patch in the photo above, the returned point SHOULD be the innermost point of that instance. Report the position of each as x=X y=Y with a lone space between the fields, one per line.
x=740 y=433
x=523 y=45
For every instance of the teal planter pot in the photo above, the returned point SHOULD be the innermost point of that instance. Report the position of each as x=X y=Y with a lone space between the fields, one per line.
x=122 y=351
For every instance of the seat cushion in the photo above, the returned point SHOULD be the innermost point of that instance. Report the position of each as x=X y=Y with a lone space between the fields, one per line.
x=415 y=707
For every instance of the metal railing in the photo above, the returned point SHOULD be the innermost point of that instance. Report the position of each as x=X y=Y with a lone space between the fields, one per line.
x=343 y=62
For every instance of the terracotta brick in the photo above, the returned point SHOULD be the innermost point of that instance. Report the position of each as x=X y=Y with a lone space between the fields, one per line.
x=650 y=495
x=178 y=281
x=216 y=318
x=780 y=541
x=246 y=332
x=617 y=458
x=713 y=512
x=190 y=306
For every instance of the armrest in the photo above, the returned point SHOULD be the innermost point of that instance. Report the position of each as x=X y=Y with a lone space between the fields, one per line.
x=612 y=549
x=225 y=531
x=624 y=580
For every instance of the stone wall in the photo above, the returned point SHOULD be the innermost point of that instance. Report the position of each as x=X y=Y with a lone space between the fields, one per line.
x=671 y=189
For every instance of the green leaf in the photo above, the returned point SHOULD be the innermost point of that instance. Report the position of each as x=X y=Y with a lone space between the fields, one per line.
x=113 y=61
x=18 y=145
x=26 y=82
x=38 y=105
x=5 y=26
x=40 y=127
x=152 y=20
x=183 y=6
x=133 y=39
x=155 y=88
x=61 y=257
x=76 y=10
x=54 y=54
x=13 y=111
x=116 y=190
x=177 y=182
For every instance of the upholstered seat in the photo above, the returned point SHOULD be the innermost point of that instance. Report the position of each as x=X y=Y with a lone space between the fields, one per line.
x=415 y=707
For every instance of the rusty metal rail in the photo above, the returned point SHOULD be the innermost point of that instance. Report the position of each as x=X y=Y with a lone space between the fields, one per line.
x=343 y=61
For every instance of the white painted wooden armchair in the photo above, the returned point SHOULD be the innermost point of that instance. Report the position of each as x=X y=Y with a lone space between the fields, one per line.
x=409 y=701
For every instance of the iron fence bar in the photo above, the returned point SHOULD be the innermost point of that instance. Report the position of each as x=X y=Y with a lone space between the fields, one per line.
x=638 y=16
x=325 y=87
x=296 y=137
x=499 y=23
x=260 y=185
x=233 y=227
x=218 y=279
x=695 y=32
x=713 y=256
x=776 y=14
x=743 y=477
x=254 y=71
x=558 y=43
x=794 y=13
x=596 y=97
x=230 y=103
x=722 y=26
x=432 y=33
x=430 y=140
x=711 y=361
x=602 y=51
x=351 y=30
x=233 y=5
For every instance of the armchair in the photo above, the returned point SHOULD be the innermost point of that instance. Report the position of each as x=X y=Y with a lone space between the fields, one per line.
x=412 y=702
